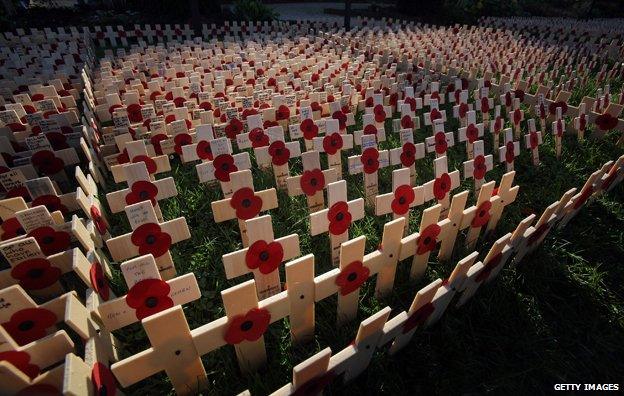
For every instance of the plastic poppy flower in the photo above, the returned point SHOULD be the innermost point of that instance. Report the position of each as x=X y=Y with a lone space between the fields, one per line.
x=369 y=102
x=316 y=106
x=134 y=113
x=312 y=181
x=258 y=138
x=233 y=128
x=279 y=153
x=552 y=108
x=148 y=297
x=606 y=122
x=394 y=98
x=483 y=215
x=149 y=163
x=510 y=155
x=485 y=105
x=150 y=239
x=142 y=190
x=21 y=361
x=57 y=140
x=52 y=202
x=480 y=168
x=428 y=239
x=282 y=113
x=489 y=267
x=441 y=186
x=103 y=380
x=518 y=93
x=309 y=129
x=114 y=107
x=248 y=327
x=181 y=139
x=204 y=151
x=411 y=102
x=370 y=160
x=123 y=158
x=408 y=155
x=11 y=228
x=403 y=198
x=533 y=140
x=472 y=133
x=498 y=124
x=246 y=204
x=582 y=122
x=339 y=218
x=224 y=165
x=99 y=281
x=29 y=324
x=517 y=116
x=98 y=220
x=380 y=113
x=341 y=117
x=332 y=143
x=51 y=241
x=47 y=163
x=418 y=317
x=315 y=385
x=537 y=234
x=441 y=144
x=18 y=192
x=205 y=106
x=264 y=256
x=585 y=194
x=407 y=122
x=179 y=101
x=559 y=127
x=352 y=277
x=35 y=274
x=435 y=115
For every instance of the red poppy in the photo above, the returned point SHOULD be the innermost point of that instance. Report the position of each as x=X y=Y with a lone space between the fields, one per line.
x=309 y=129
x=248 y=327
x=403 y=198
x=509 y=152
x=312 y=181
x=205 y=106
x=114 y=107
x=370 y=160
x=582 y=122
x=606 y=122
x=435 y=115
x=179 y=101
x=380 y=113
x=441 y=186
x=233 y=128
x=103 y=380
x=552 y=108
x=472 y=133
x=428 y=239
x=150 y=239
x=533 y=140
x=149 y=163
x=418 y=317
x=518 y=93
x=339 y=218
x=485 y=105
x=282 y=113
x=246 y=203
x=279 y=153
x=142 y=190
x=264 y=256
x=35 y=274
x=148 y=297
x=99 y=282
x=489 y=267
x=517 y=116
x=369 y=101
x=181 y=139
x=134 y=112
x=559 y=127
x=21 y=361
x=352 y=277
x=407 y=122
x=47 y=163
x=11 y=228
x=585 y=194
x=341 y=117
x=498 y=124
x=480 y=168
x=29 y=324
x=483 y=214
x=408 y=155
x=51 y=241
x=98 y=220
x=204 y=151
x=440 y=143
x=332 y=143
x=123 y=157
x=411 y=102
x=258 y=138
x=57 y=140
x=315 y=385
x=52 y=202
x=224 y=165
x=394 y=98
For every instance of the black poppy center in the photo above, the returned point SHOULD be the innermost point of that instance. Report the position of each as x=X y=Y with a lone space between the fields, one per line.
x=47 y=239
x=246 y=325
x=151 y=239
x=151 y=302
x=340 y=216
x=225 y=167
x=402 y=200
x=427 y=240
x=35 y=273
x=99 y=282
x=246 y=203
x=352 y=276
x=443 y=186
x=369 y=162
x=20 y=231
x=143 y=194
x=26 y=325
x=313 y=182
x=264 y=256
x=279 y=152
x=482 y=213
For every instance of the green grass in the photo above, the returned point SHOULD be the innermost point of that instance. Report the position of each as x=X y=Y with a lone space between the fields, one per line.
x=557 y=318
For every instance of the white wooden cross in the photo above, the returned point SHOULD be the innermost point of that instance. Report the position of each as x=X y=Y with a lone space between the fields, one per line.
x=461 y=107
x=435 y=114
x=255 y=137
x=408 y=119
x=440 y=188
x=307 y=129
x=558 y=128
x=333 y=143
x=149 y=236
x=478 y=167
x=532 y=141
x=580 y=122
x=534 y=235
x=509 y=151
x=369 y=163
x=496 y=126
x=369 y=128
x=401 y=199
x=470 y=133
x=579 y=200
x=479 y=214
x=486 y=104
x=451 y=225
x=277 y=155
x=310 y=376
x=440 y=141
x=352 y=275
x=507 y=195
x=516 y=116
x=137 y=152
x=263 y=256
x=245 y=203
x=408 y=153
x=222 y=165
x=337 y=218
x=312 y=182
x=384 y=260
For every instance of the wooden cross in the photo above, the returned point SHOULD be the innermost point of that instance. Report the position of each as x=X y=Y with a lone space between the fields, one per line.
x=401 y=199
x=149 y=236
x=516 y=116
x=141 y=188
x=579 y=200
x=370 y=128
x=479 y=215
x=451 y=225
x=558 y=128
x=612 y=177
x=245 y=203
x=444 y=182
x=333 y=143
x=11 y=227
x=507 y=195
x=312 y=182
x=440 y=141
x=471 y=133
x=435 y=114
x=141 y=274
x=534 y=235
x=337 y=218
x=580 y=122
x=44 y=192
x=485 y=105
x=277 y=155
x=478 y=167
x=532 y=141
x=509 y=151
x=263 y=256
x=222 y=164
x=461 y=107
x=352 y=274
x=384 y=260
x=408 y=153
x=311 y=375
x=87 y=199
x=307 y=129
x=256 y=136
x=369 y=163
x=137 y=152
x=301 y=298
x=496 y=126
x=408 y=119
